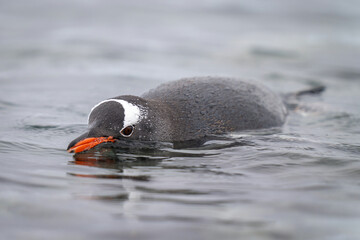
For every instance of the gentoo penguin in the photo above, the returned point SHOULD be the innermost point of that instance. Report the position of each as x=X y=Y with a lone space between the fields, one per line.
x=184 y=110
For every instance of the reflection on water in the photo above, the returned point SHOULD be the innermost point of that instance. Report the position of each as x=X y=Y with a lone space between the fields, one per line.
x=120 y=160
x=109 y=176
x=111 y=158
x=119 y=156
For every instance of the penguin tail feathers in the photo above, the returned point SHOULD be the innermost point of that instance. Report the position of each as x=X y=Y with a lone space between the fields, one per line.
x=292 y=100
x=311 y=91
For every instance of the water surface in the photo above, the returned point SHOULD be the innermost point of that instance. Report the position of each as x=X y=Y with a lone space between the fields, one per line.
x=58 y=59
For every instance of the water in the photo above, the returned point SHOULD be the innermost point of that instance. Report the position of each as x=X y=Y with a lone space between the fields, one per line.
x=58 y=59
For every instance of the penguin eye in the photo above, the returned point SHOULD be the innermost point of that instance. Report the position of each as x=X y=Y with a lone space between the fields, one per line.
x=126 y=132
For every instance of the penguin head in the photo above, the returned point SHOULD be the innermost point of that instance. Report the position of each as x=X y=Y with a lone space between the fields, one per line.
x=119 y=118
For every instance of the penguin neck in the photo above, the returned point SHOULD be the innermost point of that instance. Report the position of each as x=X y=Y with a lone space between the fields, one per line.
x=161 y=117
x=170 y=124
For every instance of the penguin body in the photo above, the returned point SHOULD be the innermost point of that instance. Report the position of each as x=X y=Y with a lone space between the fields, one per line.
x=186 y=110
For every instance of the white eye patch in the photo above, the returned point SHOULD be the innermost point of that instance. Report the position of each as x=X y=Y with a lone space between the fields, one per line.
x=132 y=113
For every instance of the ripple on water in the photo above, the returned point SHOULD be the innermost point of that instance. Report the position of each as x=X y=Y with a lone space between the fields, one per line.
x=273 y=53
x=348 y=74
x=6 y=104
x=55 y=129
x=15 y=146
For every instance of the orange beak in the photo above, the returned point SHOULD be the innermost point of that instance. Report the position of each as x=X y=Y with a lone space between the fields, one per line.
x=89 y=143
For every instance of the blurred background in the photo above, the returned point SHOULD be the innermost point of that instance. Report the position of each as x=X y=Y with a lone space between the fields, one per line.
x=163 y=40
x=59 y=58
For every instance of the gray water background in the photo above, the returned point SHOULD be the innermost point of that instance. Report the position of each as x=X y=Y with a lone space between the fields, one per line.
x=59 y=58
